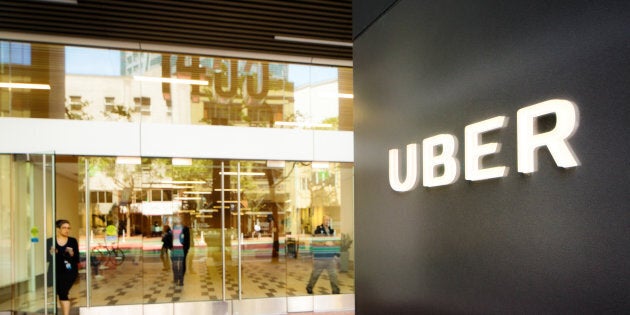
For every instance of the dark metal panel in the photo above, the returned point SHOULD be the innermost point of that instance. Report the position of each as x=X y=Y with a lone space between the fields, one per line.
x=553 y=242
x=236 y=25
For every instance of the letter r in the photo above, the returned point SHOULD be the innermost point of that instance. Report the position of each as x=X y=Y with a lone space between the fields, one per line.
x=567 y=120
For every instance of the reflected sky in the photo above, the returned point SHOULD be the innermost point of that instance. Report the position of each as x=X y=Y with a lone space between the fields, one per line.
x=304 y=74
x=92 y=61
x=95 y=61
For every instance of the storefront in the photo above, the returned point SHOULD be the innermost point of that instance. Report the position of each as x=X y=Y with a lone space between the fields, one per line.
x=250 y=154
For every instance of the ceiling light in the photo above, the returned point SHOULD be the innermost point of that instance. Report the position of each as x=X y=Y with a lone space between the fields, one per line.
x=62 y=1
x=320 y=165
x=128 y=160
x=208 y=210
x=345 y=95
x=181 y=162
x=275 y=164
x=182 y=182
x=312 y=41
x=169 y=80
x=24 y=86
x=185 y=211
x=187 y=198
x=335 y=95
x=243 y=173
x=225 y=189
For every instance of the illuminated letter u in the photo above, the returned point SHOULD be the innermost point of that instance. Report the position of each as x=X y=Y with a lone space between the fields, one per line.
x=411 y=177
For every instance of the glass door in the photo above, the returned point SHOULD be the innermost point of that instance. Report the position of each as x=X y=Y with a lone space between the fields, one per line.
x=262 y=201
x=28 y=208
x=115 y=232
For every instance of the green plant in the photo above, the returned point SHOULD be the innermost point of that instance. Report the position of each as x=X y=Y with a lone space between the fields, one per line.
x=346 y=242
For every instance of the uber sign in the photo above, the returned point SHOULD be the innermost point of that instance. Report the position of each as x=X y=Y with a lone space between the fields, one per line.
x=528 y=143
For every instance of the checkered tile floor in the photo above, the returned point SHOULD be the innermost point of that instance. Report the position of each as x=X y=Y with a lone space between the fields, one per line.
x=145 y=281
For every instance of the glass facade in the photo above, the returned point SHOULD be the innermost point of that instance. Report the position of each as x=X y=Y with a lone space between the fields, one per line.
x=251 y=221
x=66 y=82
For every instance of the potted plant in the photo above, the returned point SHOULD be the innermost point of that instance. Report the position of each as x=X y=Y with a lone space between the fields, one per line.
x=346 y=242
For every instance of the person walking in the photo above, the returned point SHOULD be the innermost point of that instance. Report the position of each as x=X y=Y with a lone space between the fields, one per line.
x=181 y=245
x=65 y=253
x=324 y=259
x=167 y=245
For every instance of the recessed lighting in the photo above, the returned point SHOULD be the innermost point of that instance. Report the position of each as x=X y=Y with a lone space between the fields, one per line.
x=243 y=173
x=320 y=165
x=129 y=160
x=170 y=80
x=181 y=162
x=24 y=86
x=312 y=41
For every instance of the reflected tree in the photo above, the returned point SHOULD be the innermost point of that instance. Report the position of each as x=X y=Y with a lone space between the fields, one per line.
x=117 y=113
x=77 y=110
x=274 y=178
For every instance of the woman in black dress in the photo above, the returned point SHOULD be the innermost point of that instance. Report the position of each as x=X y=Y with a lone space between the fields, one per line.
x=66 y=255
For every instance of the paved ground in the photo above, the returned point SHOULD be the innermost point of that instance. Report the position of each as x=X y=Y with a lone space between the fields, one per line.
x=143 y=280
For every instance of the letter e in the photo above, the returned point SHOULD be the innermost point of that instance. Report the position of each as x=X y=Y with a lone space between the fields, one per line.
x=474 y=150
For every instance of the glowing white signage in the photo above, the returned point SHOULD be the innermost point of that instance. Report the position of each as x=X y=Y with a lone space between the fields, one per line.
x=567 y=117
x=475 y=150
x=528 y=143
x=411 y=179
x=447 y=159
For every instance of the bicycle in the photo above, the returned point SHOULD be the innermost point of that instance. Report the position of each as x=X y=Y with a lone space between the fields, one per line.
x=109 y=256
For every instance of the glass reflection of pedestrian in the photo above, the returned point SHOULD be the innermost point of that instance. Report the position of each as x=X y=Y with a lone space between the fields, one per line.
x=181 y=245
x=190 y=256
x=167 y=245
x=66 y=255
x=325 y=259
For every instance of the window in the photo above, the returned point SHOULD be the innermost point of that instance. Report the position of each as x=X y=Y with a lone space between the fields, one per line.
x=156 y=195
x=75 y=102
x=15 y=53
x=101 y=197
x=161 y=195
x=144 y=104
x=109 y=103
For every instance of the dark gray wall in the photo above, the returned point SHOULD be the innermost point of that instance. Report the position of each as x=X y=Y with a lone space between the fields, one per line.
x=557 y=241
x=366 y=12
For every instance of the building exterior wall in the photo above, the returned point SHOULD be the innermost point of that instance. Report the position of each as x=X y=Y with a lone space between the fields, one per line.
x=554 y=241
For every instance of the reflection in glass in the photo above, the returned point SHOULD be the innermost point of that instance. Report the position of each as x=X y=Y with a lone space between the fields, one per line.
x=134 y=86
x=114 y=241
x=251 y=222
x=120 y=210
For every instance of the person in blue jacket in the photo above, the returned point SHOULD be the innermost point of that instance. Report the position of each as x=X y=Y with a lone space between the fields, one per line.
x=181 y=245
x=325 y=260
